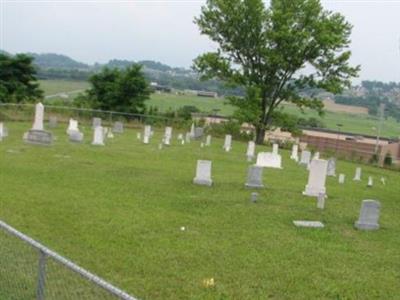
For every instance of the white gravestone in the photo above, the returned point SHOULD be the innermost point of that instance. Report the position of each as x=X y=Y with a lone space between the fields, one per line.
x=331 y=167
x=341 y=178
x=357 y=176
x=316 y=155
x=369 y=215
x=203 y=173
x=370 y=181
x=98 y=136
x=228 y=143
x=72 y=126
x=269 y=160
x=305 y=158
x=37 y=135
x=208 y=140
x=254 y=177
x=168 y=132
x=110 y=134
x=311 y=224
x=167 y=140
x=146 y=139
x=192 y=133
x=118 y=127
x=275 y=149
x=383 y=180
x=251 y=148
x=147 y=131
x=316 y=178
x=295 y=152
x=138 y=136
x=180 y=137
x=1 y=130
x=96 y=122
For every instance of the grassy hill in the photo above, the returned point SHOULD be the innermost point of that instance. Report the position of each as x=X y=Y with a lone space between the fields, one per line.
x=117 y=211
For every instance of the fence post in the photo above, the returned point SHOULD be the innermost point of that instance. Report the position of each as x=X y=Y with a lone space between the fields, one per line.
x=40 y=292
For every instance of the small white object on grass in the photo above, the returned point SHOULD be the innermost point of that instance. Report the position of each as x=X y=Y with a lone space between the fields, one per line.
x=183 y=228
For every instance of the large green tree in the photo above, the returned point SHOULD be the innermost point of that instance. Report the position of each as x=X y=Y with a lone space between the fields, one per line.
x=123 y=90
x=18 y=82
x=275 y=52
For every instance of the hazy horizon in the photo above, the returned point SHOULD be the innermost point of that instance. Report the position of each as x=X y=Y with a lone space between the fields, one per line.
x=98 y=31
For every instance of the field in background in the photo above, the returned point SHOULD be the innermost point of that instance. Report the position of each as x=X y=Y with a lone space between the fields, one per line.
x=356 y=123
x=117 y=210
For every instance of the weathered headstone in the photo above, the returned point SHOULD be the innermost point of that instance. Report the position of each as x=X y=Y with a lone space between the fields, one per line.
x=76 y=136
x=369 y=215
x=72 y=126
x=251 y=148
x=52 y=121
x=295 y=152
x=208 y=140
x=310 y=224
x=341 y=178
x=147 y=131
x=321 y=201
x=1 y=130
x=168 y=132
x=138 y=136
x=357 y=176
x=146 y=139
x=98 y=136
x=254 y=177
x=167 y=140
x=331 y=167
x=180 y=137
x=275 y=149
x=316 y=178
x=192 y=131
x=203 y=173
x=269 y=160
x=370 y=182
x=37 y=135
x=118 y=127
x=305 y=158
x=228 y=143
x=198 y=132
x=96 y=122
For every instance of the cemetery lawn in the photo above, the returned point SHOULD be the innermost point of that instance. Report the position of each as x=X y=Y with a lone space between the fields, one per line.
x=117 y=211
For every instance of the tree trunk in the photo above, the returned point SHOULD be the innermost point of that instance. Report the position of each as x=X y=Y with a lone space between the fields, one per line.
x=260 y=135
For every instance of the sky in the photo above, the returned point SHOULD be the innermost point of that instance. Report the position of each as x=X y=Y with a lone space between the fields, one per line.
x=97 y=31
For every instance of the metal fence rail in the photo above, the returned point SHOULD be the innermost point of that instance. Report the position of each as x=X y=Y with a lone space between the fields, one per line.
x=55 y=278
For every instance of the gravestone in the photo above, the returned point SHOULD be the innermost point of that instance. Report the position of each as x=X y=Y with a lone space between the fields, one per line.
x=275 y=149
x=321 y=201
x=341 y=178
x=192 y=131
x=369 y=215
x=96 y=122
x=269 y=160
x=254 y=197
x=228 y=143
x=316 y=178
x=98 y=136
x=167 y=140
x=331 y=167
x=383 y=180
x=37 y=135
x=146 y=139
x=1 y=130
x=110 y=134
x=138 y=136
x=357 y=176
x=203 y=173
x=187 y=137
x=76 y=136
x=39 y=115
x=198 y=132
x=168 y=132
x=118 y=127
x=147 y=131
x=72 y=126
x=316 y=155
x=370 y=182
x=310 y=224
x=254 y=177
x=305 y=158
x=208 y=140
x=251 y=148
x=180 y=137
x=52 y=122
x=295 y=152
x=160 y=146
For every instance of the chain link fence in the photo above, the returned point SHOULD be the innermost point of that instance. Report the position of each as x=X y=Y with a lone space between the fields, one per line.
x=29 y=270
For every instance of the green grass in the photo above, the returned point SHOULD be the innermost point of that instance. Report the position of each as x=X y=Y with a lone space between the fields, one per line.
x=117 y=211
x=356 y=123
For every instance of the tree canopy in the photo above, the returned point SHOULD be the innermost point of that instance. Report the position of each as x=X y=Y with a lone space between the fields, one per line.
x=123 y=90
x=18 y=81
x=275 y=53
